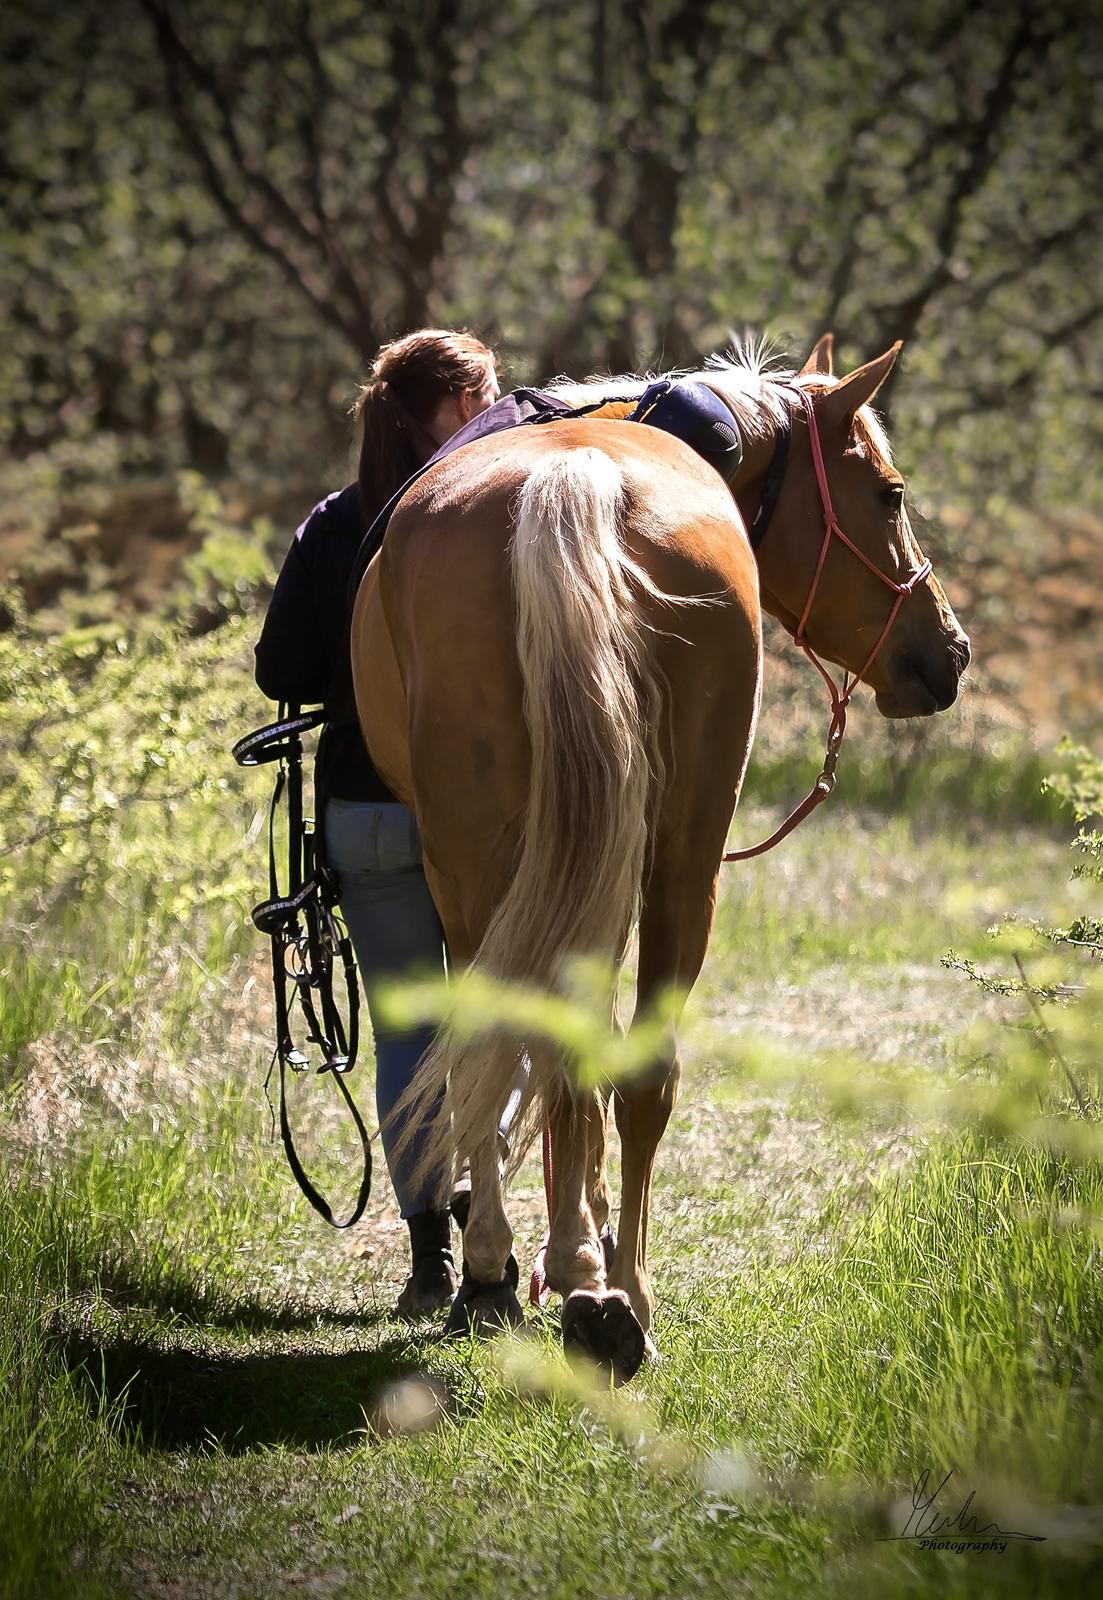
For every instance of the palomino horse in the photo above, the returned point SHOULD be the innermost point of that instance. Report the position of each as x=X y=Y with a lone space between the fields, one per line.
x=558 y=664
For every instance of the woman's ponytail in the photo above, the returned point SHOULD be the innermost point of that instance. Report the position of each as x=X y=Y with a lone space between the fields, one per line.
x=388 y=455
x=410 y=377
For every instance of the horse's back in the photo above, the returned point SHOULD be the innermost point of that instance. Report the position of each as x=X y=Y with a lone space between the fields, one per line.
x=679 y=522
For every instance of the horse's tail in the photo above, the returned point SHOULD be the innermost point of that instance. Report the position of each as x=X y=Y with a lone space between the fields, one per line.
x=592 y=705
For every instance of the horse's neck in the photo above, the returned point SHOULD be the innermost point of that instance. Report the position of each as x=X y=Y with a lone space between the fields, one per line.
x=750 y=481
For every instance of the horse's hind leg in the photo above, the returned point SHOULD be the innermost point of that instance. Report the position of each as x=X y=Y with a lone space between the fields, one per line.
x=674 y=931
x=598 y=1321
x=574 y=1258
x=487 y=1296
x=711 y=726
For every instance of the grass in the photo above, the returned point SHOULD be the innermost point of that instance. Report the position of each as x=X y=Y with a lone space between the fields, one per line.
x=842 y=1306
x=200 y=1385
x=797 y=1402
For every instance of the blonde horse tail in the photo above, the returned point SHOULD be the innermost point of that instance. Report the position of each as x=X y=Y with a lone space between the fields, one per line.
x=592 y=706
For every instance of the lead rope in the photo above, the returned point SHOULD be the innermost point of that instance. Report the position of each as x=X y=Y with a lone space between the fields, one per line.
x=538 y=1284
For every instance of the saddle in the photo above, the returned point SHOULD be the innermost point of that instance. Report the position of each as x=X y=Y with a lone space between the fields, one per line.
x=688 y=410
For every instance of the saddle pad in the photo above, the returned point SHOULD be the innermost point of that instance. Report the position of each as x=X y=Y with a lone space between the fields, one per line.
x=686 y=409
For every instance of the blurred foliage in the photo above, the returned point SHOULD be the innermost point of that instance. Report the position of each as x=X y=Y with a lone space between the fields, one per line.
x=1059 y=962
x=106 y=766
x=213 y=213
x=1079 y=785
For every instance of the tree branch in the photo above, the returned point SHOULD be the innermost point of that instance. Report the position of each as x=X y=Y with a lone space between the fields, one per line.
x=899 y=319
x=177 y=58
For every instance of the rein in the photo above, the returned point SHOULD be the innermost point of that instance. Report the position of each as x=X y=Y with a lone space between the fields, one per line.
x=840 y=696
x=308 y=940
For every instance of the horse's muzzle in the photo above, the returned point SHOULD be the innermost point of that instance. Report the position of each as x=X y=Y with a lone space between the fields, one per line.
x=924 y=682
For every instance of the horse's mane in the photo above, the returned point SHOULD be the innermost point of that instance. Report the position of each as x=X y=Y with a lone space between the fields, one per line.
x=750 y=378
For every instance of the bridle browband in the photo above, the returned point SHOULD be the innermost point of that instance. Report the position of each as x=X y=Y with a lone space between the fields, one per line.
x=840 y=697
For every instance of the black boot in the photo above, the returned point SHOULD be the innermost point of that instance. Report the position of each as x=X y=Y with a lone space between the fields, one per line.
x=433 y=1280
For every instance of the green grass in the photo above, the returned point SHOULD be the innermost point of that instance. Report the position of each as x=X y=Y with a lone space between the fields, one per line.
x=188 y=1360
x=55 y=1421
x=923 y=775
x=875 y=893
x=187 y=1377
x=955 y=1324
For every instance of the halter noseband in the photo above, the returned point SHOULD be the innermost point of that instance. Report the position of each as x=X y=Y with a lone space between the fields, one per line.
x=840 y=697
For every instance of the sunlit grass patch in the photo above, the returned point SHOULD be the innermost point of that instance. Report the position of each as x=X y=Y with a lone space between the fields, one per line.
x=871 y=893
x=875 y=1232
x=956 y=1318
x=52 y=1425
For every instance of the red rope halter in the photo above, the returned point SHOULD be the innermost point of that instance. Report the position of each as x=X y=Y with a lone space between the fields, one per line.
x=840 y=697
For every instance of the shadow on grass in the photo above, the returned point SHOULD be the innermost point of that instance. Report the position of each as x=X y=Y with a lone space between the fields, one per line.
x=164 y=1290
x=186 y=1399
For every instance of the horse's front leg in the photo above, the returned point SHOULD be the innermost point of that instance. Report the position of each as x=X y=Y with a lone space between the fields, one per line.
x=597 y=1180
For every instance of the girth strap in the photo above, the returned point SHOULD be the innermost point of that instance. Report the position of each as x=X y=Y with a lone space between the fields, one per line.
x=774 y=477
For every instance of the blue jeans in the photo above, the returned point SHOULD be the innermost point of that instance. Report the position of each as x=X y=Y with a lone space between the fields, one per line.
x=375 y=850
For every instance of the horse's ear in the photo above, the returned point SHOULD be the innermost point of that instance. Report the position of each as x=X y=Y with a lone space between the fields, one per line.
x=819 y=362
x=858 y=387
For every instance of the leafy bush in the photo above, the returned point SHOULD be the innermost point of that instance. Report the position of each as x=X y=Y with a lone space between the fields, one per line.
x=1058 y=962
x=126 y=834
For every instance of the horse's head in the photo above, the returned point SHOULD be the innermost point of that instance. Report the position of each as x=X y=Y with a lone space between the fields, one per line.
x=839 y=589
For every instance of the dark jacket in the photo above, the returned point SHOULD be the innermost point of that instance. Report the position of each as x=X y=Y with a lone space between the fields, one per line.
x=303 y=655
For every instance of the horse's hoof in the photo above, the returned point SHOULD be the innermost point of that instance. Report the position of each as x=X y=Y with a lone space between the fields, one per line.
x=605 y=1330
x=486 y=1308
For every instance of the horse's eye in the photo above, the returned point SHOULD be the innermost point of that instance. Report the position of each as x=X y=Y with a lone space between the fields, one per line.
x=893 y=495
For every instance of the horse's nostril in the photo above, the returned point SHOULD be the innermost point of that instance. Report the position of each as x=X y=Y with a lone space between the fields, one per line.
x=961 y=652
x=940 y=676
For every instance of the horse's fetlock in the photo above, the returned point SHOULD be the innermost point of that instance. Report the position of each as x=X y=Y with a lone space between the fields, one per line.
x=486 y=1253
x=581 y=1266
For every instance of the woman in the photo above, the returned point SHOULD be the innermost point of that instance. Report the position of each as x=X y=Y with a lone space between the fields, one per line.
x=423 y=388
